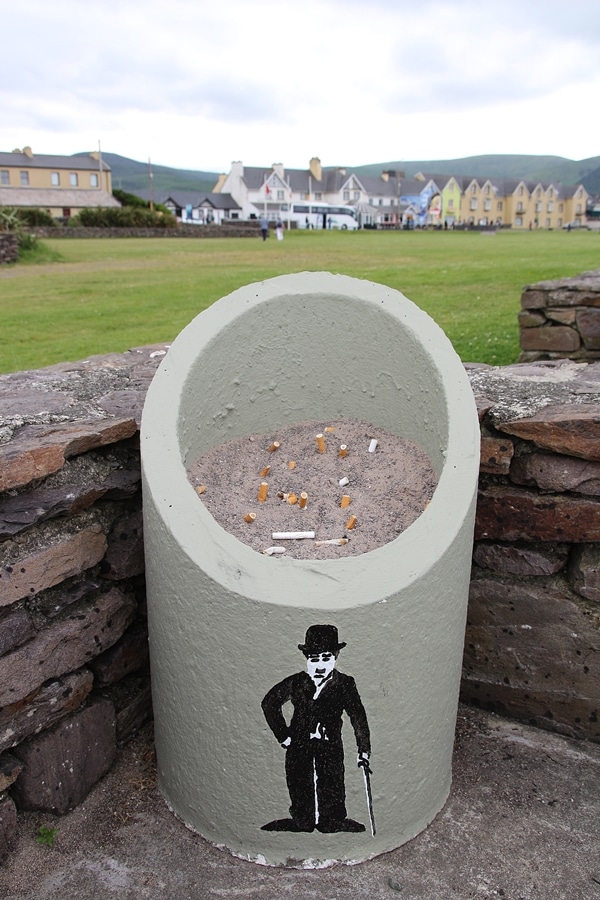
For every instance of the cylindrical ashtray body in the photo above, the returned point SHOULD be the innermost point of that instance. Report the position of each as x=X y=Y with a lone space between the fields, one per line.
x=235 y=632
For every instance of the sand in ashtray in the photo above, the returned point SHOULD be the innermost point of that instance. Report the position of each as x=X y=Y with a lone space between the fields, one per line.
x=387 y=488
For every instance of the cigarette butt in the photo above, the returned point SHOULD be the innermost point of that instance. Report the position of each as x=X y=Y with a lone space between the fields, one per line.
x=340 y=541
x=262 y=491
x=321 y=444
x=292 y=464
x=345 y=501
x=343 y=481
x=303 y=499
x=292 y=535
x=282 y=496
x=249 y=517
x=330 y=429
x=201 y=489
x=373 y=445
x=272 y=551
x=343 y=450
x=274 y=446
x=264 y=472
x=351 y=523
x=292 y=499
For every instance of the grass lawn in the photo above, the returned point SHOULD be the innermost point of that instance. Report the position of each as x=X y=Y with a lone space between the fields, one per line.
x=108 y=295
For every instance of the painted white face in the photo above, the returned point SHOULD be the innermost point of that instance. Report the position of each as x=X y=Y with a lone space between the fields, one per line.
x=320 y=665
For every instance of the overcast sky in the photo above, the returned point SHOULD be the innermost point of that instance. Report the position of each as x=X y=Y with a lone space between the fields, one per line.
x=198 y=83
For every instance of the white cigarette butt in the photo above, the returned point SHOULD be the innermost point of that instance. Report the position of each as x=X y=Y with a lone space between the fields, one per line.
x=373 y=445
x=292 y=535
x=343 y=481
x=271 y=551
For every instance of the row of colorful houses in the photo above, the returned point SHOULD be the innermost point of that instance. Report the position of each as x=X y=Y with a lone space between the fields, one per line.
x=65 y=184
x=391 y=200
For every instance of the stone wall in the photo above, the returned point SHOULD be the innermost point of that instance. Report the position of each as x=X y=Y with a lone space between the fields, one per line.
x=9 y=248
x=229 y=229
x=74 y=679
x=561 y=319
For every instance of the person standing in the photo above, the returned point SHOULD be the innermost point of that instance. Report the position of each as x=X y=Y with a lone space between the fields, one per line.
x=314 y=764
x=279 y=229
x=264 y=228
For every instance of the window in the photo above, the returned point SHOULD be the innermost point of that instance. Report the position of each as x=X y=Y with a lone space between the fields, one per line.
x=518 y=220
x=519 y=207
x=346 y=195
x=487 y=188
x=499 y=206
x=450 y=203
x=487 y=205
x=559 y=223
x=578 y=210
x=521 y=191
x=473 y=188
x=538 y=206
x=73 y=179
x=55 y=179
x=280 y=195
x=547 y=223
x=550 y=206
x=4 y=176
x=66 y=213
x=357 y=195
x=24 y=179
x=93 y=180
x=474 y=204
x=318 y=195
x=560 y=207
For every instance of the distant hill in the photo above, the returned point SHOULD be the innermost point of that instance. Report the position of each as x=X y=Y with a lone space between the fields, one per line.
x=133 y=176
x=530 y=168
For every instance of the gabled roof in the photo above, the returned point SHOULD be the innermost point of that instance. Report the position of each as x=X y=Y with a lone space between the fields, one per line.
x=75 y=198
x=197 y=199
x=44 y=161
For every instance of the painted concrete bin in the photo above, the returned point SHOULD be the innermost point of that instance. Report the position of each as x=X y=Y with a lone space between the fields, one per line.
x=234 y=633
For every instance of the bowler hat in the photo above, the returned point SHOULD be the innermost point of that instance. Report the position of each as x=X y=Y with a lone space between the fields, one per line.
x=321 y=639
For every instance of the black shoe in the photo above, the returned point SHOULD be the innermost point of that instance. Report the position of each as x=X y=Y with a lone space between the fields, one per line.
x=287 y=825
x=328 y=826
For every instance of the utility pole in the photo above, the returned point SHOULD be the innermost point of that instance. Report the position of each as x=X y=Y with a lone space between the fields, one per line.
x=150 y=177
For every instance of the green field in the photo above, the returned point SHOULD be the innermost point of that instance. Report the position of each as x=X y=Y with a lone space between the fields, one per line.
x=109 y=295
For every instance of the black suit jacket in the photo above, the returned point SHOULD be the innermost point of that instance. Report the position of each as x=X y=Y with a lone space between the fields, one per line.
x=338 y=696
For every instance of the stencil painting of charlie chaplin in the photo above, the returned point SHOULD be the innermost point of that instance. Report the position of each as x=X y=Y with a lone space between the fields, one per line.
x=314 y=763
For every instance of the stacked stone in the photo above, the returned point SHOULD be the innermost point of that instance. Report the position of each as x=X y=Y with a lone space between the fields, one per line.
x=532 y=646
x=73 y=640
x=9 y=248
x=229 y=229
x=561 y=319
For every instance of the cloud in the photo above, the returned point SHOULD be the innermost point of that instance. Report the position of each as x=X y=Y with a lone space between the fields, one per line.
x=333 y=77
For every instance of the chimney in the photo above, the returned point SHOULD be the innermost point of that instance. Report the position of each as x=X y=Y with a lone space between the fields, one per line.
x=279 y=170
x=385 y=176
x=28 y=152
x=316 y=170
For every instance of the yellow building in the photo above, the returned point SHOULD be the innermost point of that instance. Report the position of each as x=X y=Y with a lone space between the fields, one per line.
x=521 y=205
x=61 y=185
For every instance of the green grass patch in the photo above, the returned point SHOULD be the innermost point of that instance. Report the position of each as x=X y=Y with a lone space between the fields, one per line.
x=109 y=295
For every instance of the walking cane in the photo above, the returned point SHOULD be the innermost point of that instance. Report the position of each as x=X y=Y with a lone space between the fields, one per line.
x=364 y=765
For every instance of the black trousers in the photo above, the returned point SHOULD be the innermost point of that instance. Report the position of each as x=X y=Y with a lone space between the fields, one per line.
x=325 y=759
